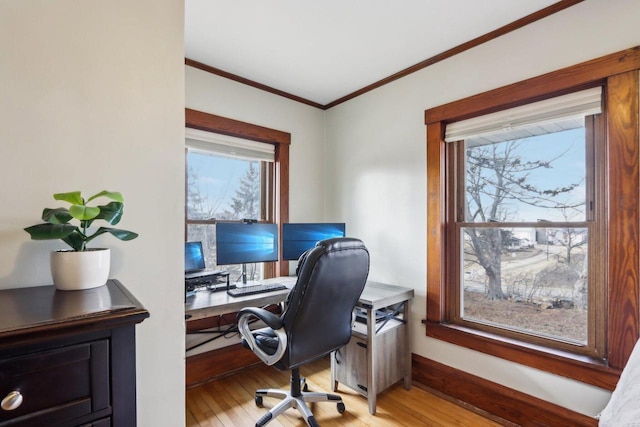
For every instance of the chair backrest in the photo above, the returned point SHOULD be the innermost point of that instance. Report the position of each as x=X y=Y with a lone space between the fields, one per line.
x=318 y=316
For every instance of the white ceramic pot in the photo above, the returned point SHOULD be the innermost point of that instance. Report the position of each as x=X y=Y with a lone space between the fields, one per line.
x=72 y=271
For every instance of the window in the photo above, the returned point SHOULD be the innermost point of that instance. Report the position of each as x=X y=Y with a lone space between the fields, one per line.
x=257 y=147
x=526 y=222
x=227 y=180
x=591 y=220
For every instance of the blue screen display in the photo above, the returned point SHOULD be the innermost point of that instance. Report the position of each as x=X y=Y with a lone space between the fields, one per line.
x=193 y=256
x=297 y=238
x=241 y=243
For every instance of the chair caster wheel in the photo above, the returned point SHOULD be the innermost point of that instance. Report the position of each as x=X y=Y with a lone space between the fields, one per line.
x=305 y=387
x=341 y=407
x=258 y=400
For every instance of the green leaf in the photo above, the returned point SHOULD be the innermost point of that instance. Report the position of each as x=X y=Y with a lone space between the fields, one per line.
x=111 y=212
x=57 y=220
x=84 y=213
x=120 y=234
x=50 y=231
x=76 y=240
x=56 y=216
x=74 y=197
x=113 y=195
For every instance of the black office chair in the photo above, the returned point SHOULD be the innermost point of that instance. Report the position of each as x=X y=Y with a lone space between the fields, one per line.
x=316 y=321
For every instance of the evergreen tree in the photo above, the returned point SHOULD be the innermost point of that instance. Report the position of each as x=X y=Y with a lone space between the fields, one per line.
x=246 y=203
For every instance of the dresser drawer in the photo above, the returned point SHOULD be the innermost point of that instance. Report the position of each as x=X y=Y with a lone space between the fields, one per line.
x=55 y=386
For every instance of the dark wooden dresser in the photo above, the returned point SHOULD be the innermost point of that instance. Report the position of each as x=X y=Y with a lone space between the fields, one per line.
x=68 y=358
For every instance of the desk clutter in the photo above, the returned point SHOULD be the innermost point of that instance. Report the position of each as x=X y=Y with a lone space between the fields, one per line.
x=214 y=280
x=219 y=281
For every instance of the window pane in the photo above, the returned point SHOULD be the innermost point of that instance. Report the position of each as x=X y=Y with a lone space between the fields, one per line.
x=222 y=188
x=533 y=280
x=528 y=179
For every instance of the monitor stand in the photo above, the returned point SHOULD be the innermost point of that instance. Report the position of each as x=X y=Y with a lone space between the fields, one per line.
x=244 y=277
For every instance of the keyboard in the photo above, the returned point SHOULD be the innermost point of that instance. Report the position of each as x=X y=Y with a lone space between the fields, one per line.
x=255 y=289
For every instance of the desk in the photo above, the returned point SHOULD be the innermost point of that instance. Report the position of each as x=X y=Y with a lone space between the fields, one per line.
x=378 y=354
x=373 y=359
x=208 y=304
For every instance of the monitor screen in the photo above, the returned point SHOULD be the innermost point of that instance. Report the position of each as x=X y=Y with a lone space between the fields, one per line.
x=297 y=238
x=193 y=257
x=243 y=243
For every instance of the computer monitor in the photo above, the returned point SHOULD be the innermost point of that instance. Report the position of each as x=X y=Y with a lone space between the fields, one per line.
x=246 y=243
x=193 y=257
x=298 y=237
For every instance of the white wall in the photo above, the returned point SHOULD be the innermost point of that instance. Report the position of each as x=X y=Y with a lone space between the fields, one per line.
x=376 y=166
x=92 y=98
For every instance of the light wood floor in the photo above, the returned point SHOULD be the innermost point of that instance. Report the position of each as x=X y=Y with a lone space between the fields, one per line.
x=229 y=402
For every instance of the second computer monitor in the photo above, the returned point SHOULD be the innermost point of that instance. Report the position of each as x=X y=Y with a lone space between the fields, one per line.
x=298 y=237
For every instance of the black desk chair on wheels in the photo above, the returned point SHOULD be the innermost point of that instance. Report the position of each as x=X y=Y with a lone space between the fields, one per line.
x=317 y=320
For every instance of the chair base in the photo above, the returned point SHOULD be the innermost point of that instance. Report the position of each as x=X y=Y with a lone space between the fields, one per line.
x=295 y=399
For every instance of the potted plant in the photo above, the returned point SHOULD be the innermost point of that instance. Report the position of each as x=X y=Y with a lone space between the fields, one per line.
x=80 y=267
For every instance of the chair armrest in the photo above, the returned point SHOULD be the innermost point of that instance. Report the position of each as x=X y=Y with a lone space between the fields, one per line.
x=270 y=319
x=273 y=322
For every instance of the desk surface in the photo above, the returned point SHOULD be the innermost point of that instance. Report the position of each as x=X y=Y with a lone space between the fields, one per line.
x=377 y=295
x=207 y=304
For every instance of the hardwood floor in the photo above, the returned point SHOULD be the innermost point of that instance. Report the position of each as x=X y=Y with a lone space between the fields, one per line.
x=229 y=402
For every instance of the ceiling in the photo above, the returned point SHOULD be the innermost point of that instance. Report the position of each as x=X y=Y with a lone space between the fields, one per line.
x=324 y=50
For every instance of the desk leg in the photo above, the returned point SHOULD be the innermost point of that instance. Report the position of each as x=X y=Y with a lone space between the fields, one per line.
x=372 y=387
x=334 y=382
x=407 y=344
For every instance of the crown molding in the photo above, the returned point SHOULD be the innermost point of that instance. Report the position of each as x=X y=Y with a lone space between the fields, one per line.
x=239 y=79
x=536 y=16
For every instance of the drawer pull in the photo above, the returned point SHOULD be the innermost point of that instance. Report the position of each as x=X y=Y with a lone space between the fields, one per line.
x=12 y=401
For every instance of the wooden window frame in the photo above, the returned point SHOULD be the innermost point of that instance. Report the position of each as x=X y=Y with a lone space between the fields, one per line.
x=278 y=203
x=618 y=74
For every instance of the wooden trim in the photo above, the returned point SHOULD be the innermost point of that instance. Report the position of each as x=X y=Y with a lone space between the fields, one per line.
x=281 y=140
x=548 y=85
x=623 y=223
x=506 y=403
x=234 y=77
x=536 y=16
x=230 y=127
x=578 y=367
x=212 y=365
x=624 y=215
x=282 y=209
x=436 y=202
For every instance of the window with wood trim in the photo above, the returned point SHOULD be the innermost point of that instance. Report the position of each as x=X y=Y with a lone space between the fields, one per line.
x=526 y=220
x=491 y=226
x=273 y=175
x=228 y=180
